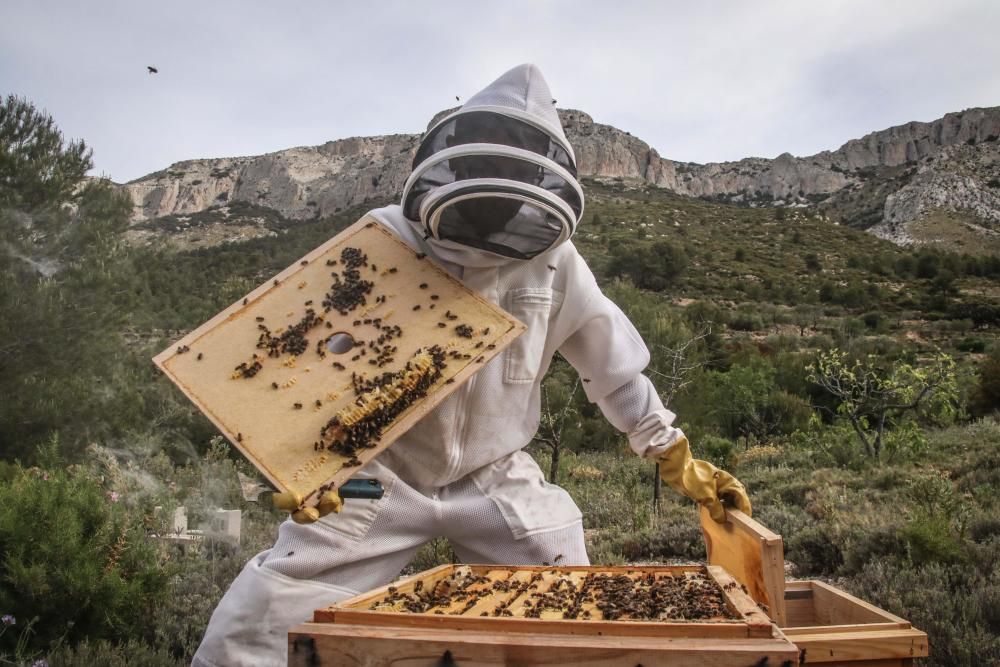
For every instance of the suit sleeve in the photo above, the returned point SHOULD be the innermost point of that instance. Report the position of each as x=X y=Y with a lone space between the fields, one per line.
x=605 y=348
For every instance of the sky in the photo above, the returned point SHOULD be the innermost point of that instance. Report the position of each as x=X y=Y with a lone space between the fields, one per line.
x=704 y=81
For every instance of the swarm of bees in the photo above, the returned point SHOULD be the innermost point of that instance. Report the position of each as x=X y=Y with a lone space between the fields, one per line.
x=380 y=400
x=569 y=595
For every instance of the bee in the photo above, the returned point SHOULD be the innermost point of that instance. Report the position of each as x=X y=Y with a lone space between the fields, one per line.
x=309 y=302
x=441 y=325
x=245 y=301
x=423 y=285
x=276 y=282
x=416 y=307
x=297 y=406
x=392 y=270
x=200 y=356
x=491 y=346
x=274 y=385
x=586 y=379
x=259 y=319
x=374 y=268
x=421 y=255
x=319 y=403
x=239 y=437
x=449 y=380
x=434 y=297
x=303 y=262
x=551 y=268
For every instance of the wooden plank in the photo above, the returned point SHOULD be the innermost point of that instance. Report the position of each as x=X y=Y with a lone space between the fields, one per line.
x=752 y=553
x=758 y=623
x=263 y=422
x=860 y=644
x=326 y=643
x=837 y=607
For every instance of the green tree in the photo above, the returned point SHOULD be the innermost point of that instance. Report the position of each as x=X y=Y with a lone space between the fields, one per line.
x=651 y=266
x=986 y=395
x=558 y=398
x=875 y=395
x=37 y=167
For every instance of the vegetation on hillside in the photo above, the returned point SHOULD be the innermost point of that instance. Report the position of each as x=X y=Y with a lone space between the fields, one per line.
x=852 y=385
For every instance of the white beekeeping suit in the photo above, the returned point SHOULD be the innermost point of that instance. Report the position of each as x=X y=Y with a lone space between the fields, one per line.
x=493 y=198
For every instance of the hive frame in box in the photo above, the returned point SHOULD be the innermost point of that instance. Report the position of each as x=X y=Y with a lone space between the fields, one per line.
x=274 y=417
x=350 y=634
x=751 y=622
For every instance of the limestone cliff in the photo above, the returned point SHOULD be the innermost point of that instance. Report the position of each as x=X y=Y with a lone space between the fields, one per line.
x=883 y=180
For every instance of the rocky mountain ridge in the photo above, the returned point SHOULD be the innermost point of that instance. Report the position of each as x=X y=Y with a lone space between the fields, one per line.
x=885 y=180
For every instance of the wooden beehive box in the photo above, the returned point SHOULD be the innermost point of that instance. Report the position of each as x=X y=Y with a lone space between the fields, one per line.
x=827 y=625
x=365 y=304
x=489 y=614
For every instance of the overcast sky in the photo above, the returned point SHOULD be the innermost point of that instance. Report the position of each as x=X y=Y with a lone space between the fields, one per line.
x=700 y=81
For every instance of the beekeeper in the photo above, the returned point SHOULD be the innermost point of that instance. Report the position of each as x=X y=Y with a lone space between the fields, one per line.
x=493 y=198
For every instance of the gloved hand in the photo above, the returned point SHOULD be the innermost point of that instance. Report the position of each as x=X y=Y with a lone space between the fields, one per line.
x=701 y=481
x=290 y=502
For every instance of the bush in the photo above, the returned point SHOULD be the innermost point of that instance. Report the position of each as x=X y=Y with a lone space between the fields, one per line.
x=651 y=266
x=958 y=606
x=75 y=558
x=816 y=550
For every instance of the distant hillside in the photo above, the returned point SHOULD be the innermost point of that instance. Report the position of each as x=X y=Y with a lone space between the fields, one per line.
x=936 y=182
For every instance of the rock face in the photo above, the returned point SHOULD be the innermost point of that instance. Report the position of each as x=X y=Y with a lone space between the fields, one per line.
x=900 y=173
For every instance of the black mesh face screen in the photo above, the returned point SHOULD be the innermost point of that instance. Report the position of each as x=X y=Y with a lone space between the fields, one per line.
x=503 y=226
x=486 y=215
x=488 y=127
x=468 y=167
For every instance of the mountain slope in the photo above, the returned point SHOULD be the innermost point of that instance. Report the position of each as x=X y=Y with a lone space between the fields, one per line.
x=892 y=181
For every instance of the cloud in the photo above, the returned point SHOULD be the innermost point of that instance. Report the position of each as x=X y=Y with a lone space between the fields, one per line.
x=700 y=82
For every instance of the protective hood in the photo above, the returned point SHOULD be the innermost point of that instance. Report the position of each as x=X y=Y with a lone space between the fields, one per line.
x=497 y=176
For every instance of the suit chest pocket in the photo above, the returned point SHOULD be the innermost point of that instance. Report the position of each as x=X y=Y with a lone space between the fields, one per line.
x=533 y=306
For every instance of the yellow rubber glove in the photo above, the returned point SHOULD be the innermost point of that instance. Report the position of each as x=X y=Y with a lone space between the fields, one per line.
x=701 y=481
x=290 y=502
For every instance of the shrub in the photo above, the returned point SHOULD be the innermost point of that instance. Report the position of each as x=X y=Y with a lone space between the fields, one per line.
x=75 y=558
x=958 y=606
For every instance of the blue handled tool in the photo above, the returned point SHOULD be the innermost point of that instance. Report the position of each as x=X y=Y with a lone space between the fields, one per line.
x=368 y=489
